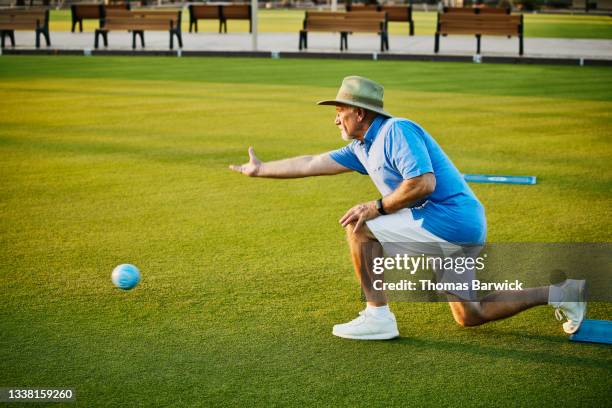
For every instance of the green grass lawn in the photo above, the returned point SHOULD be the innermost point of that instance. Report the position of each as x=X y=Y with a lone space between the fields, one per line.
x=290 y=21
x=113 y=160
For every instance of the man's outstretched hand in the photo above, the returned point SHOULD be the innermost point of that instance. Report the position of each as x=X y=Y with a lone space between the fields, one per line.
x=252 y=168
x=359 y=214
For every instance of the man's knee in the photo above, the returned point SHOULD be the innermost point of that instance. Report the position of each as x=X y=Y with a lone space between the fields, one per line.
x=467 y=314
x=363 y=234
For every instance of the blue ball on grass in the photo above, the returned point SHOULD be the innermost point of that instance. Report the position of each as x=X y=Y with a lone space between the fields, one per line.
x=125 y=276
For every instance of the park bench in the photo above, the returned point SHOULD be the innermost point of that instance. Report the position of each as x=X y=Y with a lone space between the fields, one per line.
x=24 y=20
x=236 y=12
x=82 y=12
x=203 y=12
x=32 y=3
x=221 y=12
x=139 y=21
x=395 y=13
x=345 y=24
x=479 y=25
x=477 y=10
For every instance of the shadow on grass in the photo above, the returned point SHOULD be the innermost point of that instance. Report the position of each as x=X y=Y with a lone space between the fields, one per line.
x=553 y=357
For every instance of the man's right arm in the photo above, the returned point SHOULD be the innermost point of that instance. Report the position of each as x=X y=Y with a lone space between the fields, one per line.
x=295 y=167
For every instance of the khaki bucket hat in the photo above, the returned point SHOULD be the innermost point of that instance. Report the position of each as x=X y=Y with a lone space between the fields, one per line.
x=360 y=92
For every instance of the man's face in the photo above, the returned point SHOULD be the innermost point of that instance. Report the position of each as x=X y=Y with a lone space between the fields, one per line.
x=347 y=122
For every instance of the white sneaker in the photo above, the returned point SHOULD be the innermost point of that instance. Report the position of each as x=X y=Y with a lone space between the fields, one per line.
x=573 y=305
x=368 y=327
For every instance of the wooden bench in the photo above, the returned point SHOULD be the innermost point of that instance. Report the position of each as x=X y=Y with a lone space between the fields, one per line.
x=479 y=25
x=32 y=3
x=138 y=21
x=477 y=10
x=221 y=12
x=24 y=20
x=82 y=12
x=236 y=12
x=395 y=13
x=345 y=24
x=203 y=12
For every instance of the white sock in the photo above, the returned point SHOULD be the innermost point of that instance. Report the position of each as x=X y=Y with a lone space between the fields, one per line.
x=378 y=311
x=555 y=295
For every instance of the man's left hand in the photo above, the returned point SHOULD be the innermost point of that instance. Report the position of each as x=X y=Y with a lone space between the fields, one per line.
x=359 y=214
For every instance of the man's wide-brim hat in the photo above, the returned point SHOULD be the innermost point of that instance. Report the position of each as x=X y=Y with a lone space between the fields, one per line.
x=360 y=92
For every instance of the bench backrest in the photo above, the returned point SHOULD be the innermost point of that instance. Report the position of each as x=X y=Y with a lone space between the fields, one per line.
x=347 y=22
x=24 y=19
x=366 y=14
x=205 y=11
x=394 y=12
x=362 y=7
x=348 y=25
x=236 y=11
x=477 y=10
x=398 y=13
x=117 y=6
x=490 y=24
x=80 y=11
x=142 y=19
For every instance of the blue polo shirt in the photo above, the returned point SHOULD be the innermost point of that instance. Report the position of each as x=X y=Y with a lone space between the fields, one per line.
x=396 y=149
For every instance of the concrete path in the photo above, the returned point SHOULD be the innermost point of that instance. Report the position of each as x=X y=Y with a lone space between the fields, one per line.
x=330 y=43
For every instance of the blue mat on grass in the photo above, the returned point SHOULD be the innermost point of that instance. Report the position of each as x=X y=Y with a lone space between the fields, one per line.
x=594 y=331
x=484 y=178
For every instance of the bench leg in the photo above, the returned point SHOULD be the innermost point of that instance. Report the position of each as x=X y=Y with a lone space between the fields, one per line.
x=478 y=44
x=104 y=35
x=521 y=44
x=437 y=43
x=73 y=25
x=343 y=41
x=133 y=40
x=411 y=23
x=190 y=25
x=45 y=34
x=303 y=43
x=179 y=38
x=10 y=34
x=81 y=25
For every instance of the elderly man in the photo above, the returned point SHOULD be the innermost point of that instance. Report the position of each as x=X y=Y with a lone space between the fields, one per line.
x=425 y=206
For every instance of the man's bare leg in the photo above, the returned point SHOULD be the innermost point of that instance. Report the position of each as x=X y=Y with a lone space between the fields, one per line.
x=496 y=305
x=376 y=322
x=364 y=248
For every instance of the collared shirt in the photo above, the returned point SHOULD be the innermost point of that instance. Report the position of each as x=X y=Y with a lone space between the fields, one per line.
x=396 y=149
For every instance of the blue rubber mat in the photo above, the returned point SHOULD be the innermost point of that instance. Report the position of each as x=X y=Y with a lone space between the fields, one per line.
x=484 y=178
x=594 y=331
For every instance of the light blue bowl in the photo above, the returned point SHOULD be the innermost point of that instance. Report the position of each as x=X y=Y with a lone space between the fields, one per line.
x=125 y=276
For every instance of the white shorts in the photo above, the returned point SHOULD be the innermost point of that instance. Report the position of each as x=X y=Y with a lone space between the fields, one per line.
x=400 y=234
